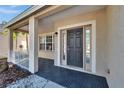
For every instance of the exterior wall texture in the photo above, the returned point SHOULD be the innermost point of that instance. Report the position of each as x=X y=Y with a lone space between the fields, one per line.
x=115 y=16
x=4 y=45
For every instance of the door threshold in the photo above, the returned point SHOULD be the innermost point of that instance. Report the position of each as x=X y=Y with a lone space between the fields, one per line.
x=80 y=70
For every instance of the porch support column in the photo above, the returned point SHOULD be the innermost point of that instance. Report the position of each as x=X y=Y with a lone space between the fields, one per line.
x=10 y=49
x=33 y=45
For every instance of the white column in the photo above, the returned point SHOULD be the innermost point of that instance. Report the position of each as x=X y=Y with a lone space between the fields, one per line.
x=57 y=50
x=10 y=49
x=33 y=45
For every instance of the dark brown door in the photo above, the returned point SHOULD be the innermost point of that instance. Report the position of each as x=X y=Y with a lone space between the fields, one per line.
x=75 y=47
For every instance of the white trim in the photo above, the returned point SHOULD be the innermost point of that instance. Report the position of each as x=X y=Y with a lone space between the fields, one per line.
x=93 y=46
x=59 y=49
x=83 y=48
x=64 y=45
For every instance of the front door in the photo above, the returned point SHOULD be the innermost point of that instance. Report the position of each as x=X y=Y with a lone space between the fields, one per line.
x=75 y=47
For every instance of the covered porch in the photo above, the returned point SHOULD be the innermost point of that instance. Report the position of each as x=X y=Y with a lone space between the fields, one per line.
x=54 y=33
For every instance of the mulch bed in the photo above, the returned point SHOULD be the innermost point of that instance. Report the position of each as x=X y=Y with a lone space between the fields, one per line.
x=3 y=59
x=12 y=74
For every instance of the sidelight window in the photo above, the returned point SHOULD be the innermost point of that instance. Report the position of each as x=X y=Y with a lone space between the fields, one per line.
x=87 y=47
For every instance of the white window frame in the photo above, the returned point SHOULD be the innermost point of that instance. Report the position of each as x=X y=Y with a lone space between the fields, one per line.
x=93 y=44
x=45 y=36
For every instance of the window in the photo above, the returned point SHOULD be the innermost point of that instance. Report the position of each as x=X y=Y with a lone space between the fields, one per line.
x=46 y=42
x=88 y=47
x=42 y=43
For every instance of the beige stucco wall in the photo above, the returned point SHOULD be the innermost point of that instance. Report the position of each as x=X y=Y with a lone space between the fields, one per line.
x=101 y=33
x=4 y=45
x=115 y=16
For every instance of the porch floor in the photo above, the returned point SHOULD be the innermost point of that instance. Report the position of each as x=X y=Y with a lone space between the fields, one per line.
x=69 y=78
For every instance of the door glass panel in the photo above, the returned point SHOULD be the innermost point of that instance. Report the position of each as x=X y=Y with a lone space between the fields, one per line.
x=87 y=58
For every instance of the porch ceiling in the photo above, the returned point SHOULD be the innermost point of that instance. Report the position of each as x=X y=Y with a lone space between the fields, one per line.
x=49 y=21
x=74 y=10
x=48 y=16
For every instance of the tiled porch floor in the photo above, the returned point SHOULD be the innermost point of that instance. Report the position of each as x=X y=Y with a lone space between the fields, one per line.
x=69 y=78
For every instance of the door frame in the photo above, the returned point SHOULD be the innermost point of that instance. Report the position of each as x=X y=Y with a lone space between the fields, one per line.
x=93 y=44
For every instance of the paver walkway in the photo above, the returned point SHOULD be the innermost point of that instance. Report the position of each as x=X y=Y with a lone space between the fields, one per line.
x=34 y=81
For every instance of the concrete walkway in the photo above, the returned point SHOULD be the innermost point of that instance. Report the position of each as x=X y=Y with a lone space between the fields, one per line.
x=34 y=81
